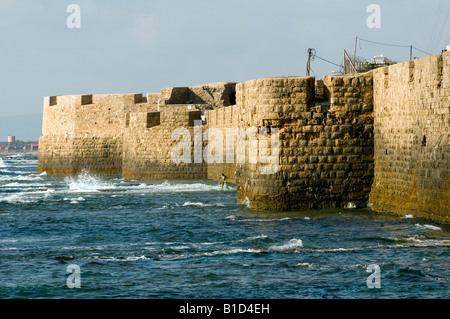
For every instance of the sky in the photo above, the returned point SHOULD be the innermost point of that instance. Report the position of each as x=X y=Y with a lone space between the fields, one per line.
x=139 y=46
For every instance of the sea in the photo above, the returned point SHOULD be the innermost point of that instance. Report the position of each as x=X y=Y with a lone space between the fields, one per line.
x=92 y=237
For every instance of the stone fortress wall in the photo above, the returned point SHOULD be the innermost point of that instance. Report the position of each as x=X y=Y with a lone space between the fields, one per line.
x=380 y=137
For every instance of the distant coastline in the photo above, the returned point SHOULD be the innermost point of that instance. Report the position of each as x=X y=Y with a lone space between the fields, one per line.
x=27 y=149
x=27 y=155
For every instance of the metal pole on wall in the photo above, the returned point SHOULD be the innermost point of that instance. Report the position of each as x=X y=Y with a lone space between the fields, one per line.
x=308 y=65
x=344 y=63
x=410 y=52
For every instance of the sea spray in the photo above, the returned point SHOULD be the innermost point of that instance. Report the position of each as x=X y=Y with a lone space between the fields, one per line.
x=246 y=202
x=167 y=187
x=86 y=183
x=350 y=206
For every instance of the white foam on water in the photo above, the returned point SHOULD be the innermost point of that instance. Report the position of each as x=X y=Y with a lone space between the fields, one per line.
x=307 y=218
x=207 y=243
x=415 y=238
x=129 y=258
x=72 y=247
x=256 y=237
x=328 y=250
x=408 y=216
x=20 y=178
x=20 y=198
x=43 y=174
x=407 y=242
x=199 y=204
x=231 y=252
x=252 y=238
x=2 y=163
x=264 y=220
x=293 y=245
x=429 y=242
x=27 y=197
x=432 y=227
x=195 y=204
x=17 y=172
x=22 y=185
x=350 y=206
x=219 y=252
x=179 y=247
x=76 y=200
x=86 y=183
x=246 y=202
x=357 y=266
x=428 y=227
x=48 y=193
x=167 y=187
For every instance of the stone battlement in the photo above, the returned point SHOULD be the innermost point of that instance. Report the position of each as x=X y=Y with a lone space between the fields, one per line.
x=355 y=139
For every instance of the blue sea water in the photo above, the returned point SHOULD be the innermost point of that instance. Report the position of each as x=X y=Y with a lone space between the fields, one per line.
x=135 y=239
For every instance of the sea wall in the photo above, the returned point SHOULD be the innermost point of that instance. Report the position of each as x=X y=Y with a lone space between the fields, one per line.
x=412 y=138
x=379 y=138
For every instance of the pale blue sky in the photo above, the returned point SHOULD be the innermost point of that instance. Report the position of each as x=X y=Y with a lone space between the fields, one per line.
x=142 y=46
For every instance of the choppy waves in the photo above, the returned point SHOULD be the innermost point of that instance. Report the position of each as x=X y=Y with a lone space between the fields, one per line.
x=19 y=186
x=255 y=245
x=189 y=235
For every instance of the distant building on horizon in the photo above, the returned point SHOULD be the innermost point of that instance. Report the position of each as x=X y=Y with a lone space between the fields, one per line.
x=11 y=139
x=34 y=147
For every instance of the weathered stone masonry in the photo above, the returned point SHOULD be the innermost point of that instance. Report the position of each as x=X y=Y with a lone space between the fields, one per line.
x=412 y=138
x=326 y=142
x=380 y=138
